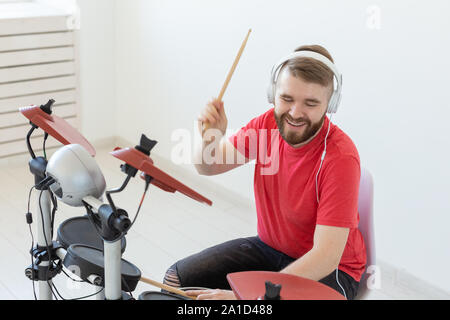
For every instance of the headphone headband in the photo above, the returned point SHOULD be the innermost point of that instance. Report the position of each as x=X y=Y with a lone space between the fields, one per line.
x=335 y=98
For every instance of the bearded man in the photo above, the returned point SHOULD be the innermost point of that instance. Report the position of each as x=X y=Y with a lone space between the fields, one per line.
x=307 y=204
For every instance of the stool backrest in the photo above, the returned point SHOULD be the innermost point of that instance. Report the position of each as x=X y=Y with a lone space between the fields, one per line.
x=365 y=209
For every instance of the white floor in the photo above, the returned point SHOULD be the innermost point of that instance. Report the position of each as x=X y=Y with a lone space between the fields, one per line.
x=169 y=227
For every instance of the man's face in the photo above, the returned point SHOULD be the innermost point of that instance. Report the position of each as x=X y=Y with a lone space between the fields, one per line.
x=300 y=108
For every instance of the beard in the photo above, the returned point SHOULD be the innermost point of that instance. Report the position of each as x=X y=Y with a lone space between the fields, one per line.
x=292 y=137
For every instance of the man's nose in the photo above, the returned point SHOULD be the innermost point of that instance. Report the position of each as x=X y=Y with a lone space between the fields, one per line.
x=296 y=111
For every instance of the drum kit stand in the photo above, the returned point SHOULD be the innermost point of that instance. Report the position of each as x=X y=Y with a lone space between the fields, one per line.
x=92 y=244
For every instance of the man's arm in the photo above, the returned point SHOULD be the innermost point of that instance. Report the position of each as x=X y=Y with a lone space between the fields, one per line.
x=320 y=261
x=216 y=154
x=227 y=159
x=324 y=257
x=336 y=214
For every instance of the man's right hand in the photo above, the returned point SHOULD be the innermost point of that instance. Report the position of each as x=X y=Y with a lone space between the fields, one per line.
x=214 y=115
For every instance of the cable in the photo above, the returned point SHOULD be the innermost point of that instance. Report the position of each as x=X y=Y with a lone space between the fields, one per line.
x=322 y=158
x=139 y=209
x=55 y=207
x=128 y=288
x=74 y=280
x=29 y=196
x=337 y=280
x=32 y=262
x=50 y=260
x=54 y=287
x=317 y=191
x=29 y=147
x=88 y=296
x=148 y=179
x=43 y=145
x=78 y=298
x=29 y=222
x=147 y=184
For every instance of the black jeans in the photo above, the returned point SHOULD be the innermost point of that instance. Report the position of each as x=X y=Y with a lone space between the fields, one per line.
x=209 y=267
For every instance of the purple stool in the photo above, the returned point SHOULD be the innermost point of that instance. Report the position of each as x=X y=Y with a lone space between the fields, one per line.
x=365 y=209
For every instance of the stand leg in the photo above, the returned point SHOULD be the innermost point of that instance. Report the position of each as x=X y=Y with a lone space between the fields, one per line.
x=45 y=292
x=44 y=238
x=113 y=270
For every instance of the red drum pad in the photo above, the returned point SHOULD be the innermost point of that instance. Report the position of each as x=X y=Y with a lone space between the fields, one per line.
x=144 y=163
x=56 y=127
x=250 y=285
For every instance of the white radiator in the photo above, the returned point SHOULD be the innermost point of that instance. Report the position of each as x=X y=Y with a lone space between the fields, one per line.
x=38 y=62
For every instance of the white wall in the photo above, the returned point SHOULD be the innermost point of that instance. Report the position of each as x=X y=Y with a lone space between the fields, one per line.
x=97 y=74
x=172 y=56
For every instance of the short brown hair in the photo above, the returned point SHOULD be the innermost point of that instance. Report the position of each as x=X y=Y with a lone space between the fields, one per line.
x=310 y=69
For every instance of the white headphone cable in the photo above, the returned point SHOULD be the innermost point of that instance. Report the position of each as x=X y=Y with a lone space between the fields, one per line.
x=317 y=191
x=323 y=157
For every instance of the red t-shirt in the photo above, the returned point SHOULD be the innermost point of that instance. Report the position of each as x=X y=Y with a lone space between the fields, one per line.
x=285 y=189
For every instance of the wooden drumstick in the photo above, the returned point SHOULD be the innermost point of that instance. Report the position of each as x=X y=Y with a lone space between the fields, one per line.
x=206 y=125
x=166 y=287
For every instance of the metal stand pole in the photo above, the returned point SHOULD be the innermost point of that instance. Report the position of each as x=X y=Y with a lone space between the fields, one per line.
x=112 y=250
x=44 y=240
x=113 y=270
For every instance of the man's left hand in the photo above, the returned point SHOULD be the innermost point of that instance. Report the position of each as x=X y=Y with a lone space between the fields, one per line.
x=212 y=294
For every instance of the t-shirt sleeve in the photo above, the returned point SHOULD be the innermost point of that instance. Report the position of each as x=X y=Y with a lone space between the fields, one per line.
x=338 y=193
x=246 y=139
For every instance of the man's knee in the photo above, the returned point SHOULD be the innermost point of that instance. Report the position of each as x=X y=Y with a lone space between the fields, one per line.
x=171 y=277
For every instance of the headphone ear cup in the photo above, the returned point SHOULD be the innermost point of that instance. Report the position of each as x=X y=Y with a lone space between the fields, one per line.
x=331 y=103
x=334 y=103
x=270 y=96
x=272 y=82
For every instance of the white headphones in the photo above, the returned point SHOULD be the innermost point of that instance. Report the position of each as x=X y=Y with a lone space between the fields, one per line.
x=335 y=98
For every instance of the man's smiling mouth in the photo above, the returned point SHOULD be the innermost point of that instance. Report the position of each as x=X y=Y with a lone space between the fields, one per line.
x=295 y=124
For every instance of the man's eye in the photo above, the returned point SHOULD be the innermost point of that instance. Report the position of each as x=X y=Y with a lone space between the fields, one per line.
x=311 y=104
x=286 y=99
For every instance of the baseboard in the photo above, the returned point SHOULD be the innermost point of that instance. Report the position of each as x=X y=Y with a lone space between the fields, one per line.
x=400 y=284
x=106 y=142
